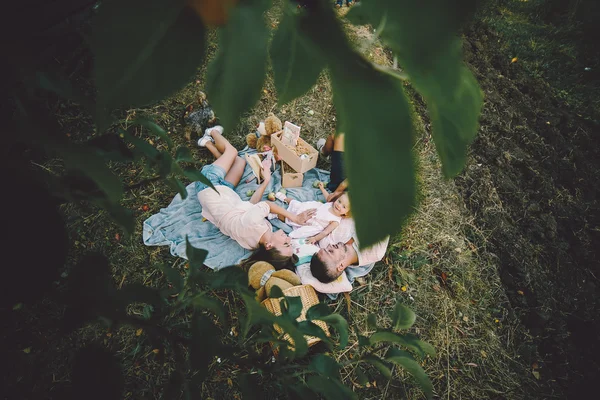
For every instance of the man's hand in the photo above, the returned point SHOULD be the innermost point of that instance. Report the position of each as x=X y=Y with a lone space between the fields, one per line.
x=305 y=216
x=312 y=240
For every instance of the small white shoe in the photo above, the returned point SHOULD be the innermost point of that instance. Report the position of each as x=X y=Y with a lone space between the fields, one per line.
x=205 y=139
x=320 y=144
x=219 y=128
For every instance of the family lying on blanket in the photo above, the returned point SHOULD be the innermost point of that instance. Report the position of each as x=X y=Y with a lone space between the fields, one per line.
x=320 y=248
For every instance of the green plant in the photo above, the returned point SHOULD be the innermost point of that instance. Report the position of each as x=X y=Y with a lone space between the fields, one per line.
x=92 y=297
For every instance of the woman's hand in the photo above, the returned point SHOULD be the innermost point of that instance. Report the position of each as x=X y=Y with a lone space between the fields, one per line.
x=305 y=216
x=266 y=169
x=331 y=196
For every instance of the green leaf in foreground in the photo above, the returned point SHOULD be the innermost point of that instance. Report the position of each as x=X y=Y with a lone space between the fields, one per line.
x=402 y=317
x=378 y=155
x=406 y=361
x=409 y=341
x=236 y=75
x=331 y=389
x=154 y=128
x=296 y=66
x=433 y=61
x=144 y=51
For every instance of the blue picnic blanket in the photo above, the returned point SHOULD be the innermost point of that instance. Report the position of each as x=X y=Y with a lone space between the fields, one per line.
x=183 y=217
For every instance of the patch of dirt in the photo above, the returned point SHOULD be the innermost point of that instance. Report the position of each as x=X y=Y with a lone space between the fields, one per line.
x=531 y=186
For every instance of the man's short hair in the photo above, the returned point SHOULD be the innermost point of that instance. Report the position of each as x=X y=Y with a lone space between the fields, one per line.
x=321 y=271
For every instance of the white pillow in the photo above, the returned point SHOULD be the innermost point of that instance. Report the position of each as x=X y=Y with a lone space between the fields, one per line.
x=340 y=285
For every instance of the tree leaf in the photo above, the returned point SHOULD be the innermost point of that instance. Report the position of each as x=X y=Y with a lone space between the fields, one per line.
x=111 y=147
x=211 y=304
x=154 y=128
x=408 y=340
x=406 y=361
x=183 y=153
x=173 y=276
x=236 y=75
x=312 y=329
x=296 y=65
x=87 y=161
x=276 y=292
x=325 y=366
x=378 y=363
x=361 y=377
x=144 y=51
x=402 y=317
x=195 y=256
x=194 y=175
x=250 y=387
x=318 y=311
x=102 y=382
x=378 y=155
x=434 y=65
x=294 y=307
x=205 y=345
x=331 y=389
x=340 y=325
x=372 y=321
x=176 y=184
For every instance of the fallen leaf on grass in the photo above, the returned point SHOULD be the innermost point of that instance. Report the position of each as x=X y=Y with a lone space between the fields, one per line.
x=27 y=350
x=472 y=365
x=156 y=351
x=139 y=332
x=520 y=292
x=536 y=374
x=514 y=60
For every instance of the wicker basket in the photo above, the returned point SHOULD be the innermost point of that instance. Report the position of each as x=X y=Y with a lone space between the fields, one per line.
x=309 y=298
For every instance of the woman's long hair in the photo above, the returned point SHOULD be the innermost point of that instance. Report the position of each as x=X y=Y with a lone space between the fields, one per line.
x=272 y=256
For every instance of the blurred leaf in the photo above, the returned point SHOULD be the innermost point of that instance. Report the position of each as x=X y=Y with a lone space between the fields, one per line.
x=361 y=377
x=139 y=293
x=205 y=345
x=250 y=388
x=412 y=342
x=173 y=276
x=299 y=391
x=276 y=292
x=154 y=128
x=144 y=52
x=141 y=147
x=434 y=64
x=296 y=66
x=211 y=304
x=165 y=164
x=121 y=215
x=96 y=375
x=402 y=317
x=372 y=321
x=176 y=184
x=388 y=151
x=340 y=325
x=84 y=159
x=235 y=76
x=406 y=361
x=175 y=386
x=294 y=308
x=183 y=153
x=312 y=329
x=331 y=389
x=194 y=175
x=378 y=363
x=55 y=81
x=91 y=292
x=195 y=256
x=318 y=311
x=111 y=147
x=230 y=278
x=325 y=366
